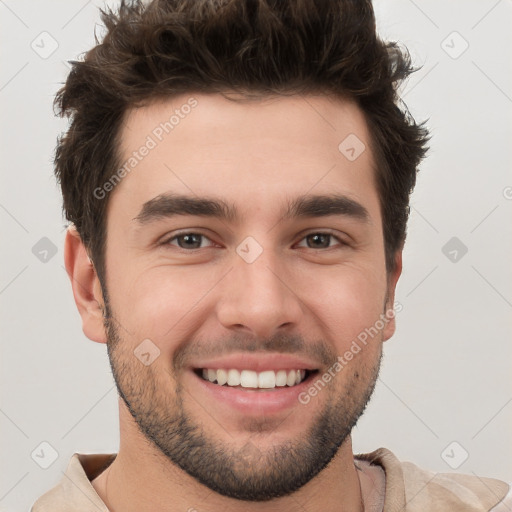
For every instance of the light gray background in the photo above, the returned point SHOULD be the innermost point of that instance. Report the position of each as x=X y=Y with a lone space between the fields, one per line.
x=446 y=373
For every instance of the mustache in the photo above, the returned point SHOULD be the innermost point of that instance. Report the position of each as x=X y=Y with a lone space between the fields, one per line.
x=279 y=343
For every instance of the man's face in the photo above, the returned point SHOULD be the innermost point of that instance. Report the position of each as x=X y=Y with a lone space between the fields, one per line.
x=281 y=284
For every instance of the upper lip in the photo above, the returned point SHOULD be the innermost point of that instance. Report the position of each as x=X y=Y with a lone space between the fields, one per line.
x=258 y=362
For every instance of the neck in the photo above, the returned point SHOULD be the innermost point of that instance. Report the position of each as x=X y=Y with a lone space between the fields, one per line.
x=142 y=479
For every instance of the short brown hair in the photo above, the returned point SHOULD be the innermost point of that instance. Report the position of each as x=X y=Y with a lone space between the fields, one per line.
x=262 y=47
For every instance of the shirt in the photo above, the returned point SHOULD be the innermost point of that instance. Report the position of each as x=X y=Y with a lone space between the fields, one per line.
x=408 y=488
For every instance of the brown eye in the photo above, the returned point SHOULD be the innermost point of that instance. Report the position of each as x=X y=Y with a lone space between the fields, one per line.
x=188 y=240
x=320 y=240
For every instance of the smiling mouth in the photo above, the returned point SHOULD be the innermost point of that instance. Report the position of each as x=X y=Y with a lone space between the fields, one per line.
x=249 y=379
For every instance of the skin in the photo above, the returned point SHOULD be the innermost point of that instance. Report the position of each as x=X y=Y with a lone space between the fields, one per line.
x=254 y=155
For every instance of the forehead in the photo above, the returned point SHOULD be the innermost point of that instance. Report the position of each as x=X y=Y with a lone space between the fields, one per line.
x=248 y=152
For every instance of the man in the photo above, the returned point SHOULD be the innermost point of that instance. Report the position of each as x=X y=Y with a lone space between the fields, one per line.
x=237 y=174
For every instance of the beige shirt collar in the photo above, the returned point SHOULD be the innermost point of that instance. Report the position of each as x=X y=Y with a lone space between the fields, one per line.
x=408 y=487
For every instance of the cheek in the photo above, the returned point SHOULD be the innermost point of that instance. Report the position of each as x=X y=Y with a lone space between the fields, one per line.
x=159 y=303
x=347 y=304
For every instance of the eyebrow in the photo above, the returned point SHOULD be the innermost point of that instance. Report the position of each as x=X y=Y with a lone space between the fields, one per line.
x=169 y=205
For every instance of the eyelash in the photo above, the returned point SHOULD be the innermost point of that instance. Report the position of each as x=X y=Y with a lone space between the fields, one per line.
x=176 y=236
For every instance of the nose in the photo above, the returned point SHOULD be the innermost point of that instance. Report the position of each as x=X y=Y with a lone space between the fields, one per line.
x=258 y=297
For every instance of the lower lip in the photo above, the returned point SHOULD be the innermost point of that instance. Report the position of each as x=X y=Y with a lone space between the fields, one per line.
x=252 y=401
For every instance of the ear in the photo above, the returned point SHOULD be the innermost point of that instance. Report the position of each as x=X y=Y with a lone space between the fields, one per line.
x=390 y=326
x=86 y=286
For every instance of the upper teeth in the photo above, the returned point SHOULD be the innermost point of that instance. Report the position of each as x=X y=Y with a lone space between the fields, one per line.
x=252 y=379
